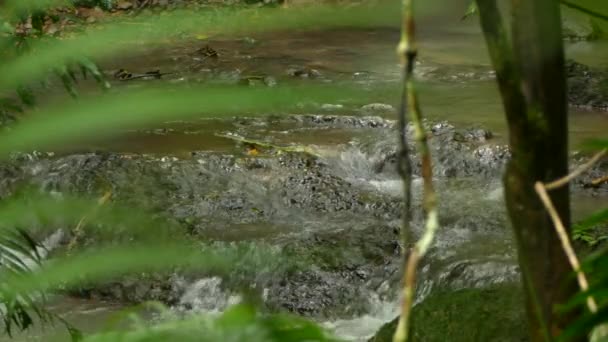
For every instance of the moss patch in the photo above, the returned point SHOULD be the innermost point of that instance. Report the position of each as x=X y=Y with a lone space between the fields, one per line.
x=491 y=314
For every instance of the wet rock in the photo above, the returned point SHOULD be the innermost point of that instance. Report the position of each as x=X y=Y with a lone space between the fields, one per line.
x=230 y=76
x=124 y=5
x=458 y=75
x=340 y=230
x=303 y=72
x=587 y=87
x=590 y=179
x=342 y=121
x=270 y=81
x=378 y=108
x=458 y=314
x=134 y=289
x=455 y=153
x=317 y=294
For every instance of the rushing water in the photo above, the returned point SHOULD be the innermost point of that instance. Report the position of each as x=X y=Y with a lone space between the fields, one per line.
x=477 y=246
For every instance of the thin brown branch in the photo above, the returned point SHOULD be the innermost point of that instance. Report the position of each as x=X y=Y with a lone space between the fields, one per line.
x=541 y=190
x=407 y=296
x=599 y=181
x=403 y=158
x=405 y=55
x=565 y=180
x=77 y=231
x=408 y=52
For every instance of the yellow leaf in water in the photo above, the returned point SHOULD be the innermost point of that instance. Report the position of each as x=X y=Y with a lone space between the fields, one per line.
x=201 y=36
x=252 y=151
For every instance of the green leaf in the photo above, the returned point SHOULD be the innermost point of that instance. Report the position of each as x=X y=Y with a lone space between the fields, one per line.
x=10 y=105
x=26 y=95
x=111 y=261
x=38 y=21
x=238 y=323
x=586 y=10
x=471 y=10
x=108 y=114
x=585 y=324
x=89 y=67
x=67 y=80
x=591 y=221
x=595 y=144
x=41 y=214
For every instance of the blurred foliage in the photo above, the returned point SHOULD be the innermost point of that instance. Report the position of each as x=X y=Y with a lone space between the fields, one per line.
x=595 y=14
x=586 y=230
x=24 y=28
x=19 y=254
x=239 y=323
x=595 y=266
x=131 y=108
x=27 y=57
x=105 y=4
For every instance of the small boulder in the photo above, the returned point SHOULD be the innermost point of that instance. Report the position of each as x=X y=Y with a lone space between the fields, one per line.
x=378 y=108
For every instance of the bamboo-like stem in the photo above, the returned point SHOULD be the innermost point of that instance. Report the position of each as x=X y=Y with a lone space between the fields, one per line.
x=407 y=52
x=541 y=190
x=565 y=180
x=404 y=166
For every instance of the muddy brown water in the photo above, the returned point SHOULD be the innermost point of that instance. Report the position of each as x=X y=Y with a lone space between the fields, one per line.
x=363 y=57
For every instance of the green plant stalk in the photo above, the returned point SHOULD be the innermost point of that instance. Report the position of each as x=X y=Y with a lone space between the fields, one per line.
x=407 y=51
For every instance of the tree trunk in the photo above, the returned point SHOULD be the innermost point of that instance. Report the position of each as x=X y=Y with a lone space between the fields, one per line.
x=531 y=76
x=539 y=145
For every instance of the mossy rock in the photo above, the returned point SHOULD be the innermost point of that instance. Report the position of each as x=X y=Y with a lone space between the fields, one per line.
x=493 y=314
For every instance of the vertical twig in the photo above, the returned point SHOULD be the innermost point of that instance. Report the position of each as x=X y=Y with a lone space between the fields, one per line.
x=407 y=52
x=403 y=159
x=77 y=231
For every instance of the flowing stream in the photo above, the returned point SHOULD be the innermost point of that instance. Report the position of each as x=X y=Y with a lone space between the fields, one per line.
x=474 y=247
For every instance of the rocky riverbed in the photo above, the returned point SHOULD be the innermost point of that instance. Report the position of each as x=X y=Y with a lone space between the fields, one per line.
x=310 y=204
x=316 y=226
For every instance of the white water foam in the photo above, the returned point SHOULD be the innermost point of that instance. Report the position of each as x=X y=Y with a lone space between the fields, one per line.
x=360 y=329
x=206 y=295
